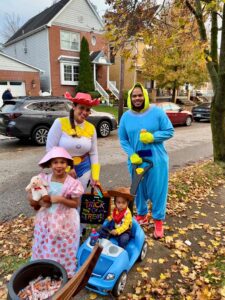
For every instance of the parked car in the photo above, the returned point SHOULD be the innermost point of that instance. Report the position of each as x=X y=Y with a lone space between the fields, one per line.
x=110 y=273
x=32 y=117
x=176 y=114
x=201 y=112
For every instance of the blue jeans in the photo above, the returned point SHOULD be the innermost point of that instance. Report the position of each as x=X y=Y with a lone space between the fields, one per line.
x=122 y=239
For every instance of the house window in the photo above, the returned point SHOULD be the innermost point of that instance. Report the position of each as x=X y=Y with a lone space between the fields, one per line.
x=69 y=73
x=69 y=40
x=93 y=40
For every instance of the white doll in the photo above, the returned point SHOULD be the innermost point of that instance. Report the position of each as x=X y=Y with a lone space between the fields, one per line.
x=37 y=186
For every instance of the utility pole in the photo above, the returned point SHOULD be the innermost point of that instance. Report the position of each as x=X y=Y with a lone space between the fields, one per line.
x=122 y=67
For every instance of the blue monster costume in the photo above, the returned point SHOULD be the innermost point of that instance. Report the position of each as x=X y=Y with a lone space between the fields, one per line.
x=154 y=120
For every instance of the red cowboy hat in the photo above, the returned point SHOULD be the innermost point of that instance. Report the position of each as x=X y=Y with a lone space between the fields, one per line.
x=82 y=98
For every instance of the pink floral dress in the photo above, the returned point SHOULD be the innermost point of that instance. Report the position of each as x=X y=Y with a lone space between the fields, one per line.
x=57 y=228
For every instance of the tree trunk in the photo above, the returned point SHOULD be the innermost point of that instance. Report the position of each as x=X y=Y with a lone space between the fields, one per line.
x=217 y=75
x=122 y=68
x=218 y=130
x=174 y=95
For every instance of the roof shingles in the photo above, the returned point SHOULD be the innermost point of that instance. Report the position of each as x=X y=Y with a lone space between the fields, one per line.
x=39 y=20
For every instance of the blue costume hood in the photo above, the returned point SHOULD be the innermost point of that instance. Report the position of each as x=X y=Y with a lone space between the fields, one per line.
x=145 y=93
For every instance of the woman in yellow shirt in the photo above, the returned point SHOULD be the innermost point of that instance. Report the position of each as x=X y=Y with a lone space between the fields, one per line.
x=79 y=138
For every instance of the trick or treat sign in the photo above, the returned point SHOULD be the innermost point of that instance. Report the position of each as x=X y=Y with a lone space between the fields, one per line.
x=94 y=209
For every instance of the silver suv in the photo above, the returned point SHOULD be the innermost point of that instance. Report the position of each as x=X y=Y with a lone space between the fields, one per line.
x=31 y=118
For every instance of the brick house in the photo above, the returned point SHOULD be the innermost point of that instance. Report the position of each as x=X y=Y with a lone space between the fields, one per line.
x=51 y=41
x=23 y=79
x=132 y=69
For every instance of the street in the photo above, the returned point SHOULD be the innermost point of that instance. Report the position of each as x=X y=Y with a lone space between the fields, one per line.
x=18 y=163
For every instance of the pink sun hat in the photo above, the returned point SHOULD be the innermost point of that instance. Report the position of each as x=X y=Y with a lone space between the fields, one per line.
x=54 y=153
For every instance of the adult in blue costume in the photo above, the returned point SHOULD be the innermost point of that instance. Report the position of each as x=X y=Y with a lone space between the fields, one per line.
x=142 y=131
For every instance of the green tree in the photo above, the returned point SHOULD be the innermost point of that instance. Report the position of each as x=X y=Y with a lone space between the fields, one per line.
x=130 y=18
x=86 y=81
x=206 y=13
x=175 y=55
x=124 y=21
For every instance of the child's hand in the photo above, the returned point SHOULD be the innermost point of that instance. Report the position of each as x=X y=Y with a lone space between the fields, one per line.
x=72 y=173
x=113 y=232
x=76 y=201
x=44 y=204
x=56 y=199
x=33 y=203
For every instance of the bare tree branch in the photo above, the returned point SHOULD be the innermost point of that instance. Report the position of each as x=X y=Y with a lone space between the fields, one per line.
x=12 y=23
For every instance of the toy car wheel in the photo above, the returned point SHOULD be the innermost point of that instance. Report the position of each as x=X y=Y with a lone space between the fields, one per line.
x=143 y=252
x=120 y=285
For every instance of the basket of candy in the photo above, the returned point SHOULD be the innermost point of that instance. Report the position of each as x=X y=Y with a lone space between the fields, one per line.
x=39 y=279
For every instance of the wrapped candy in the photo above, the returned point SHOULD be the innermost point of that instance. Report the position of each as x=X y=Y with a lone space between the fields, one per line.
x=40 y=289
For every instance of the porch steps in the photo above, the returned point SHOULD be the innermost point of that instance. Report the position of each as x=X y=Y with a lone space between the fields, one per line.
x=101 y=91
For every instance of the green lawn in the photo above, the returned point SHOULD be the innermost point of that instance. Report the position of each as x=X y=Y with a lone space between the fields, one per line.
x=112 y=110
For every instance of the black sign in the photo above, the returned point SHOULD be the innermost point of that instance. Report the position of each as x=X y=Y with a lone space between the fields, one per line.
x=94 y=209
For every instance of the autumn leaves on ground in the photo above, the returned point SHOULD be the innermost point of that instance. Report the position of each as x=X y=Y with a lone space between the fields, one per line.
x=189 y=263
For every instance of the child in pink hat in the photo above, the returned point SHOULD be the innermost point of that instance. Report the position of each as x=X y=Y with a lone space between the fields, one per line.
x=57 y=228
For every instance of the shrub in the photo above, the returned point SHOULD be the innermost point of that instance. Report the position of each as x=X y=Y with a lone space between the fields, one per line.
x=94 y=94
x=86 y=80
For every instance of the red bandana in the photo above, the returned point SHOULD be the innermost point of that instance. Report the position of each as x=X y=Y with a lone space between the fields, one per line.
x=118 y=215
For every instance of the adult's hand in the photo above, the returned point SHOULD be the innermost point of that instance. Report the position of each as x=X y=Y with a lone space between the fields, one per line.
x=94 y=183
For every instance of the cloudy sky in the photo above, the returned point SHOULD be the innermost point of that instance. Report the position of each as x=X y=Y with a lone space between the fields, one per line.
x=29 y=8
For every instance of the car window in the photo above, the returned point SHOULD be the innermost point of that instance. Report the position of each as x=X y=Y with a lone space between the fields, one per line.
x=56 y=106
x=39 y=106
x=166 y=107
x=8 y=107
x=69 y=105
x=174 y=107
x=48 y=106
x=205 y=105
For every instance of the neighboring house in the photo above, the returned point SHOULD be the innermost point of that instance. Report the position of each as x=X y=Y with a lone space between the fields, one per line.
x=132 y=67
x=23 y=79
x=51 y=41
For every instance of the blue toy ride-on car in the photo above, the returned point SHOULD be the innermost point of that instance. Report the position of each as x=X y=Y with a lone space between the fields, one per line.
x=110 y=272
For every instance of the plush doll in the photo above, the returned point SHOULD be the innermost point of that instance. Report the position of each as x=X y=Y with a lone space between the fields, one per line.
x=37 y=186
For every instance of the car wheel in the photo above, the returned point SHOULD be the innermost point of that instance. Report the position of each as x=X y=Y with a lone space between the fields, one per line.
x=143 y=251
x=188 y=121
x=39 y=135
x=103 y=128
x=120 y=285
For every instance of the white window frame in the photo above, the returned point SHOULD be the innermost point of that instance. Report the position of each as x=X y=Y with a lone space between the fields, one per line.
x=71 y=33
x=63 y=81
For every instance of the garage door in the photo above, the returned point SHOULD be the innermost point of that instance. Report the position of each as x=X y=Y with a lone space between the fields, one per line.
x=17 y=88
